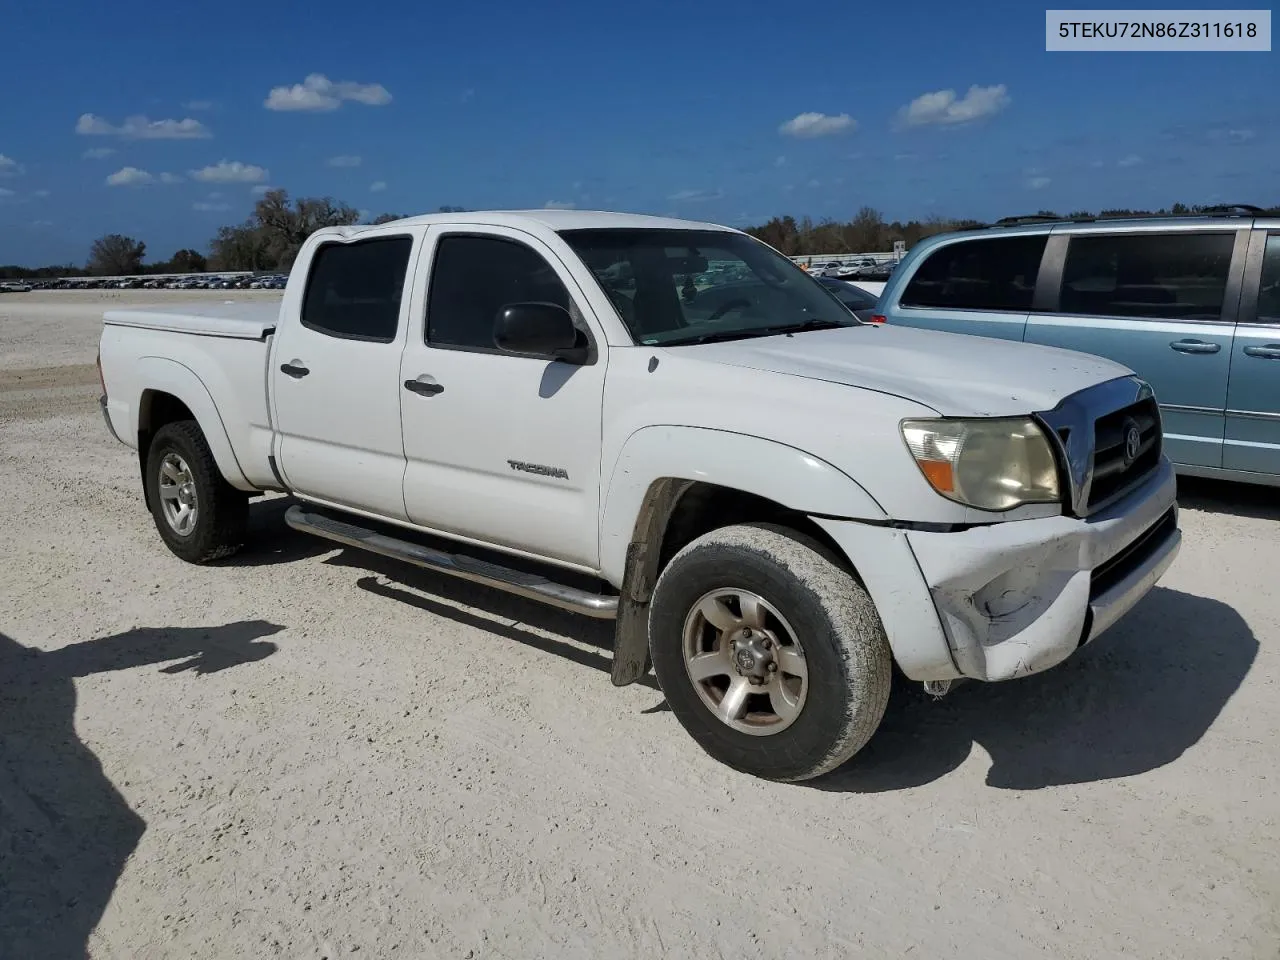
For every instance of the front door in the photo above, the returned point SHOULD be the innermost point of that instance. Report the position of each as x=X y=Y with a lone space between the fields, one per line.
x=501 y=449
x=335 y=377
x=1157 y=303
x=1253 y=396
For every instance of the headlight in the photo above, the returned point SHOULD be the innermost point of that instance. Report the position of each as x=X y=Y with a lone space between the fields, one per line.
x=991 y=464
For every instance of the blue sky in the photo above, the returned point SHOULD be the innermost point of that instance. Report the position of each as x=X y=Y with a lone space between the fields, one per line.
x=727 y=112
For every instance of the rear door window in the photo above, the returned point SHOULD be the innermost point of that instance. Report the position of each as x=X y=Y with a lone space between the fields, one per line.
x=992 y=273
x=1175 y=276
x=353 y=290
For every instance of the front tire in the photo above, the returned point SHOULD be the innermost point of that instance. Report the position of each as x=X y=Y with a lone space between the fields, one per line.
x=198 y=514
x=770 y=655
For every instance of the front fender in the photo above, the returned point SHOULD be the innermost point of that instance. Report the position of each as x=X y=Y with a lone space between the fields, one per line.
x=169 y=376
x=787 y=476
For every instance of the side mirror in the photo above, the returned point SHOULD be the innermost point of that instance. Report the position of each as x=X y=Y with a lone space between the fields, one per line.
x=540 y=330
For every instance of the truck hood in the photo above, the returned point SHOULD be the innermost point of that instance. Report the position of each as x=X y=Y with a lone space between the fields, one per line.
x=955 y=374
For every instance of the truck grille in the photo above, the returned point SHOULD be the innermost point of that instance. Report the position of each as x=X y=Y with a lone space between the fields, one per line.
x=1126 y=447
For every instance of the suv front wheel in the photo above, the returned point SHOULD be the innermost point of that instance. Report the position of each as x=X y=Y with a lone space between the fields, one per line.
x=770 y=654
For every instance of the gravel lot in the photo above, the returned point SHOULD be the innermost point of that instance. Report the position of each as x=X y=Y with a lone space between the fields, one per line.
x=308 y=752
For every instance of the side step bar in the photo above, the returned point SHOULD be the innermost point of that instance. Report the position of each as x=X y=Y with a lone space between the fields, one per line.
x=528 y=585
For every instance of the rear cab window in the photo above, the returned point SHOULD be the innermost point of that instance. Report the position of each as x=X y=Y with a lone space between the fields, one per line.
x=989 y=273
x=354 y=289
x=1269 y=288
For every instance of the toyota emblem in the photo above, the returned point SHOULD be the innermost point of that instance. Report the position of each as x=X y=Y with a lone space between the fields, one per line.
x=1132 y=443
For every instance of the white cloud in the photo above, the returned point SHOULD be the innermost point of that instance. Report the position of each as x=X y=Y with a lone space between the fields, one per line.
x=559 y=205
x=377 y=186
x=344 y=161
x=5 y=192
x=129 y=177
x=99 y=153
x=170 y=178
x=817 y=125
x=9 y=167
x=318 y=93
x=1038 y=183
x=229 y=171
x=944 y=108
x=780 y=162
x=1096 y=164
x=140 y=128
x=1241 y=136
x=40 y=194
x=42 y=223
x=814 y=184
x=205 y=206
x=695 y=196
x=1132 y=160
x=198 y=105
x=261 y=189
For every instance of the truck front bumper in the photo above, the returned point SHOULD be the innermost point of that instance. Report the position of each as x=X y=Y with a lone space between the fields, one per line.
x=1016 y=598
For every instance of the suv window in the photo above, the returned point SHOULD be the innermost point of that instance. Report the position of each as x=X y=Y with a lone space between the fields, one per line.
x=1269 y=290
x=1178 y=276
x=353 y=290
x=993 y=273
x=474 y=277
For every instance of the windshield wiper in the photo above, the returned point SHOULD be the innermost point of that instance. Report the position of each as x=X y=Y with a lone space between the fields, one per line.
x=721 y=336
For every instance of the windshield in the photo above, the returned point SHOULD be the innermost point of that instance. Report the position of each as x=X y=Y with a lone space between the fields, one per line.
x=692 y=286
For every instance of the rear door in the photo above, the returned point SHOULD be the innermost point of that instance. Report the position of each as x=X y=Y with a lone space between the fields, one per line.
x=1161 y=302
x=982 y=286
x=335 y=375
x=1253 y=395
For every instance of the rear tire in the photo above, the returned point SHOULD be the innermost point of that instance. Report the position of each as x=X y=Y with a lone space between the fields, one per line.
x=199 y=516
x=794 y=667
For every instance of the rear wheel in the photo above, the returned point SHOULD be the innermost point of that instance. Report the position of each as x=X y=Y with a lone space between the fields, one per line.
x=198 y=514
x=770 y=654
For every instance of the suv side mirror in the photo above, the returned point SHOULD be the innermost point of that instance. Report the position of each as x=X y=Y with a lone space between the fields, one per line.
x=540 y=330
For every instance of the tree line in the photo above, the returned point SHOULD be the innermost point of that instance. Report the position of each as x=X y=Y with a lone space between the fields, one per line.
x=273 y=233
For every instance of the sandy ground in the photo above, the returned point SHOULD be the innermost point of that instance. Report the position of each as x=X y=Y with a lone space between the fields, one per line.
x=307 y=752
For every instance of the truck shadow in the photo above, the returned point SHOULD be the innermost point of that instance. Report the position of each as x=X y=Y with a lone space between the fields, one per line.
x=271 y=540
x=1132 y=701
x=65 y=831
x=1223 y=496
x=511 y=617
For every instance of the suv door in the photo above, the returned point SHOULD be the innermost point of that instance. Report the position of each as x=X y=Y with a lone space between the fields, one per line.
x=502 y=449
x=1163 y=303
x=976 y=285
x=1253 y=394
x=335 y=376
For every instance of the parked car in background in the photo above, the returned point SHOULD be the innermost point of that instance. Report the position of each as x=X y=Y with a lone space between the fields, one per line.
x=14 y=286
x=861 y=302
x=1191 y=303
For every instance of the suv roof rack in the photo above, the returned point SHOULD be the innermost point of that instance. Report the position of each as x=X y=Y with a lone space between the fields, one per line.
x=1217 y=210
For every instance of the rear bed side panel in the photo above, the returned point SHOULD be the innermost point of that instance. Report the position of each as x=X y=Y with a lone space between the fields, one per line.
x=219 y=379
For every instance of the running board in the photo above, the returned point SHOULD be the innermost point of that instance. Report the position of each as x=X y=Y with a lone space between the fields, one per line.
x=528 y=585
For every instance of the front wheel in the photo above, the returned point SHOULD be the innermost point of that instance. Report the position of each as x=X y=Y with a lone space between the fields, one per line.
x=198 y=514
x=770 y=655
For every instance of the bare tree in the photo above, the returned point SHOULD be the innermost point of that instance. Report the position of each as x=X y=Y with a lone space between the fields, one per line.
x=388 y=217
x=116 y=255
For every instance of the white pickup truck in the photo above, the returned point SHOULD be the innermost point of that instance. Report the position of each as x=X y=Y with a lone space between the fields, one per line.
x=775 y=501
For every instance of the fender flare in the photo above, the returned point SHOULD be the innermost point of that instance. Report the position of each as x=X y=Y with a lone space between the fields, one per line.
x=165 y=375
x=791 y=477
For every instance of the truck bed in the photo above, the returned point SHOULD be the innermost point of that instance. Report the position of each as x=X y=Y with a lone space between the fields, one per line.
x=241 y=320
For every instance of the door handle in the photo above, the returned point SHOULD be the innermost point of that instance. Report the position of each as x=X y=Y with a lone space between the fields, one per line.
x=294 y=368
x=1270 y=352
x=1195 y=346
x=424 y=385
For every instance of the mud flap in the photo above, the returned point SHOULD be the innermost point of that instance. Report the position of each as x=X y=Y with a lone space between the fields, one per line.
x=631 y=635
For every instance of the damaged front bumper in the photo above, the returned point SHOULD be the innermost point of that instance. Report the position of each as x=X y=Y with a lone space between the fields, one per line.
x=1020 y=597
